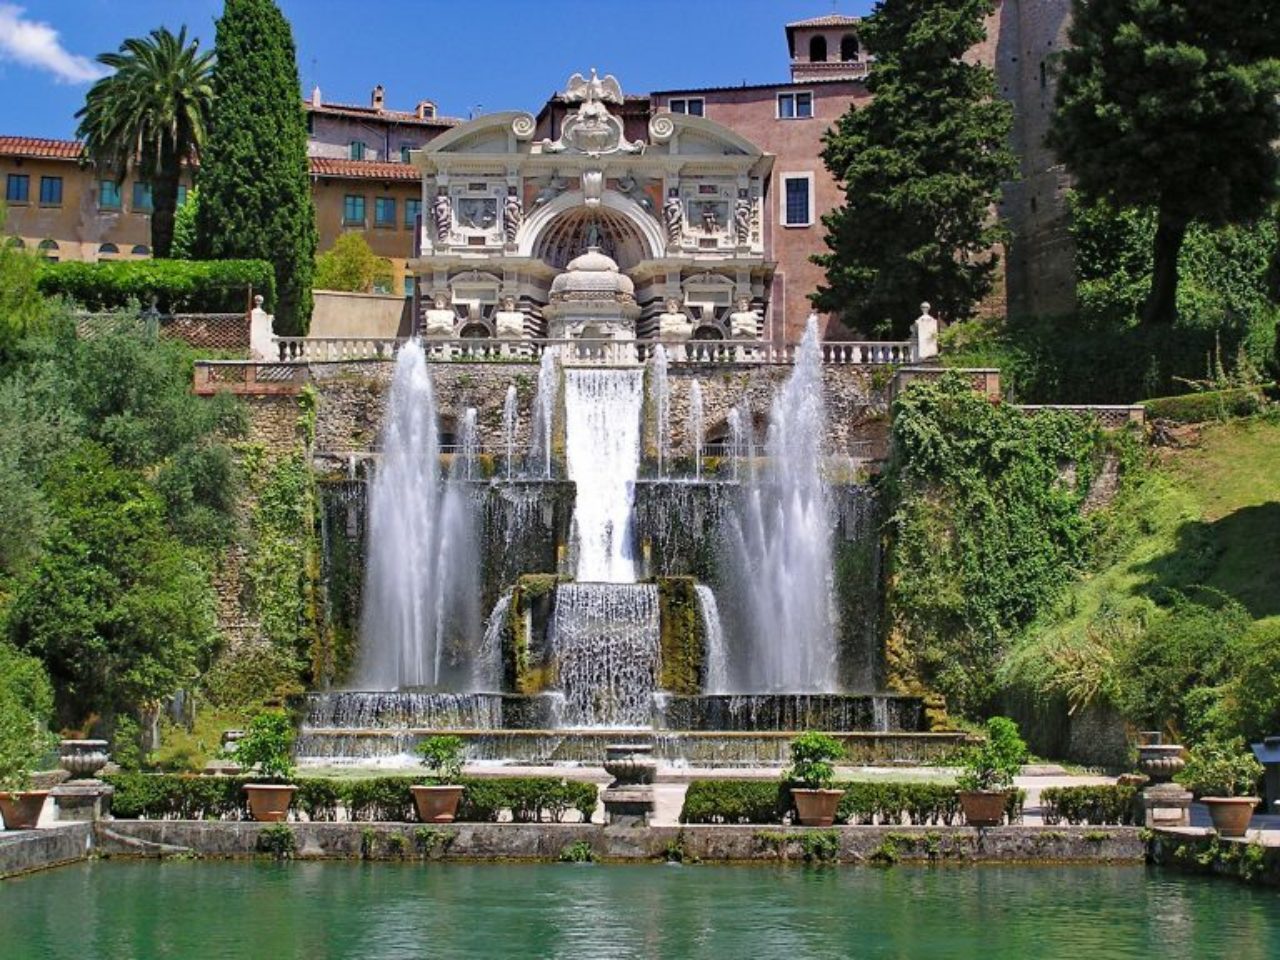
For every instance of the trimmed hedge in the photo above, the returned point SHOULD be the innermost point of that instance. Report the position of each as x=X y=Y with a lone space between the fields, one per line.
x=1210 y=405
x=178 y=286
x=1093 y=805
x=376 y=799
x=864 y=802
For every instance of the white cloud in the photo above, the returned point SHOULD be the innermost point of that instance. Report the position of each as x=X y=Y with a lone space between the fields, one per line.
x=37 y=45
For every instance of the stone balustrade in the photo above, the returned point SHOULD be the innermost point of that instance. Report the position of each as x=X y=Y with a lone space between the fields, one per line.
x=588 y=352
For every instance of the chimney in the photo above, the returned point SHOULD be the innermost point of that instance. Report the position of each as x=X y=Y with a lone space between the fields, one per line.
x=377 y=97
x=426 y=110
x=315 y=97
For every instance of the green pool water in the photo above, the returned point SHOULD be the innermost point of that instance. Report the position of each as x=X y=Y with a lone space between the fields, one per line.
x=320 y=911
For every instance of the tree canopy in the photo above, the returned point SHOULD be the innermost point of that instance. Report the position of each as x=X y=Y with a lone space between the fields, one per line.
x=255 y=190
x=149 y=117
x=350 y=264
x=921 y=167
x=1174 y=106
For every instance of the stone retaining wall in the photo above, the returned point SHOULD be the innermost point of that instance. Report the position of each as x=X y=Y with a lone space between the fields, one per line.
x=1203 y=851
x=25 y=851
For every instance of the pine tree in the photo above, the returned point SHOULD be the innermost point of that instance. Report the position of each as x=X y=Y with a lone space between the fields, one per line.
x=1173 y=106
x=921 y=167
x=255 y=193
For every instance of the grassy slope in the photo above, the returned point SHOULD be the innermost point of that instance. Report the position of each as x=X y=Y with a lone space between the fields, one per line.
x=1208 y=514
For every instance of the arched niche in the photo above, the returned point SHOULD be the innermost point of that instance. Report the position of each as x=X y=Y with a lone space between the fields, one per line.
x=643 y=234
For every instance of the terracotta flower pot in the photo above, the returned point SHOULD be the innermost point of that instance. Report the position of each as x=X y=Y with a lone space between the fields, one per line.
x=1231 y=815
x=21 y=808
x=437 y=804
x=269 y=802
x=983 y=808
x=816 y=808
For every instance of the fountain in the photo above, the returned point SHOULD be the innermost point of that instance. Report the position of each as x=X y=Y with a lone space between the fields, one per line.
x=696 y=428
x=661 y=399
x=544 y=415
x=509 y=429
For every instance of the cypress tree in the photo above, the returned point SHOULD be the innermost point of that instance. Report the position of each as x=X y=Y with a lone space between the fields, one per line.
x=1172 y=105
x=255 y=191
x=921 y=167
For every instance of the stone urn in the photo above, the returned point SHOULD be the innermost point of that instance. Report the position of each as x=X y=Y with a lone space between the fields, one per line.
x=630 y=764
x=1160 y=761
x=82 y=758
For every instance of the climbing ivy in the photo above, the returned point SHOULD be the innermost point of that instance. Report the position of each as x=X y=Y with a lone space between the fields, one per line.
x=987 y=528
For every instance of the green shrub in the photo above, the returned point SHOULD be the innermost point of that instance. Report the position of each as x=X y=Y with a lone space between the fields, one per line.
x=993 y=764
x=579 y=851
x=1208 y=405
x=892 y=803
x=177 y=286
x=735 y=801
x=443 y=757
x=174 y=797
x=268 y=745
x=26 y=701
x=1221 y=768
x=278 y=840
x=1098 y=805
x=319 y=799
x=813 y=756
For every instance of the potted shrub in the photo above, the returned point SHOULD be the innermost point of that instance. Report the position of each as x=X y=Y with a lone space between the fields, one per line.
x=25 y=697
x=1224 y=775
x=812 y=771
x=988 y=773
x=267 y=745
x=437 y=802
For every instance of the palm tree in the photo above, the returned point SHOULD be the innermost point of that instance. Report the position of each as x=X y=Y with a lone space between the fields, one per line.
x=149 y=117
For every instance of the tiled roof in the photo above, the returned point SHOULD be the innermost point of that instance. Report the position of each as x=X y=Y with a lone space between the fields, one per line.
x=39 y=147
x=362 y=169
x=783 y=85
x=372 y=113
x=830 y=20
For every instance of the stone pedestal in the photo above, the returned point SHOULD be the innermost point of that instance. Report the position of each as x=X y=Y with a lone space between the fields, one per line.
x=1165 y=805
x=82 y=800
x=628 y=801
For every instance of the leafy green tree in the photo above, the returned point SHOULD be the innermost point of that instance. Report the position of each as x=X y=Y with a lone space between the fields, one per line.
x=149 y=117
x=350 y=264
x=22 y=308
x=255 y=186
x=1172 y=105
x=119 y=612
x=921 y=167
x=184 y=227
x=26 y=704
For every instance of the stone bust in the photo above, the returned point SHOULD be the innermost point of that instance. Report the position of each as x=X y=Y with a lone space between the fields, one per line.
x=674 y=323
x=744 y=322
x=508 y=321
x=439 y=318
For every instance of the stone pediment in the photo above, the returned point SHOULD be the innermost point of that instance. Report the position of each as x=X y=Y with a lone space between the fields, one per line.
x=592 y=129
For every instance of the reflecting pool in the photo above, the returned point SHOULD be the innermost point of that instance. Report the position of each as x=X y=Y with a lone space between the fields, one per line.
x=186 y=910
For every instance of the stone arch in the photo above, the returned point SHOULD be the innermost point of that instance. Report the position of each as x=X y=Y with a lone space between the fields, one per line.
x=818 y=49
x=650 y=241
x=848 y=48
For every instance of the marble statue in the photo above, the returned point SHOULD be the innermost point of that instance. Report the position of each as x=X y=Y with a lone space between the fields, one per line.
x=742 y=221
x=512 y=216
x=744 y=323
x=674 y=323
x=924 y=334
x=592 y=129
x=508 y=321
x=442 y=212
x=673 y=215
x=439 y=319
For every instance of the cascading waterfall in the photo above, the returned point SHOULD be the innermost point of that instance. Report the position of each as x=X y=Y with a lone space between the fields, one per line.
x=661 y=398
x=780 y=550
x=602 y=447
x=696 y=429
x=488 y=665
x=741 y=440
x=509 y=428
x=421 y=546
x=544 y=416
x=605 y=640
x=717 y=656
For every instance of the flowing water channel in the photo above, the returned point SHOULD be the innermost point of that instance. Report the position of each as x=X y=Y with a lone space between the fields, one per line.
x=112 y=910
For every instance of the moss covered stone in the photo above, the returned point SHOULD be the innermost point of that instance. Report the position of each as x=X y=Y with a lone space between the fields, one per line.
x=527 y=665
x=683 y=639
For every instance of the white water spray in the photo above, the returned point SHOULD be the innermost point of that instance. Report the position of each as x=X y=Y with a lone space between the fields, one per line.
x=660 y=396
x=717 y=680
x=544 y=415
x=509 y=428
x=696 y=429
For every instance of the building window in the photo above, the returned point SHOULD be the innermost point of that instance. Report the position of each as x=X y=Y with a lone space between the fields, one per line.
x=408 y=286
x=142 y=197
x=49 y=250
x=797 y=200
x=795 y=106
x=693 y=106
x=51 y=191
x=404 y=152
x=412 y=208
x=848 y=48
x=182 y=194
x=384 y=212
x=353 y=210
x=311 y=124
x=357 y=150
x=141 y=250
x=818 y=50
x=108 y=195
x=17 y=188
x=108 y=250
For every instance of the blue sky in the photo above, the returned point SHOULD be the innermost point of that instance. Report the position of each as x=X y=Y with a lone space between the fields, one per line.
x=484 y=55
